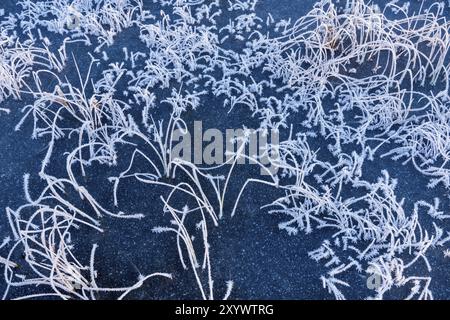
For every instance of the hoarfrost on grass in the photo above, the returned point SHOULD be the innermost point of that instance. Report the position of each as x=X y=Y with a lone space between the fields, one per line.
x=368 y=85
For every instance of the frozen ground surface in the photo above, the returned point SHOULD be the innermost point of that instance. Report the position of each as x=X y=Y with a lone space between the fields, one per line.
x=263 y=261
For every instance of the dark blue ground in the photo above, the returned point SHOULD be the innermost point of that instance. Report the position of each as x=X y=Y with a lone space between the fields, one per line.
x=264 y=262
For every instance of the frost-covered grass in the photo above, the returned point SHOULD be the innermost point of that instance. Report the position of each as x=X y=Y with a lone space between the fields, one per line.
x=369 y=85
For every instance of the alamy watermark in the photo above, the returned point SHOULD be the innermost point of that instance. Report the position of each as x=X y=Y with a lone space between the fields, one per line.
x=73 y=18
x=374 y=279
x=217 y=147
